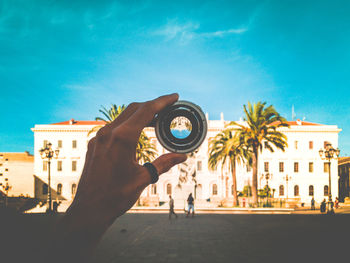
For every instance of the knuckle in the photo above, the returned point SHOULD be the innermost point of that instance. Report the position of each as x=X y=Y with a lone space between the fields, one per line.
x=102 y=134
x=149 y=106
x=122 y=134
x=133 y=105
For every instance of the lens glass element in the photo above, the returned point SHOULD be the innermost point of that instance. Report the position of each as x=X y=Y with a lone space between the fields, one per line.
x=180 y=127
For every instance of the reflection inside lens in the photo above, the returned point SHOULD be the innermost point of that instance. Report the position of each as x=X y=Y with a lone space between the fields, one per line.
x=180 y=127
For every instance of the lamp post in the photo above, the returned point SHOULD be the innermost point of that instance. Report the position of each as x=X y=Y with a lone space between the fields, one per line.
x=329 y=153
x=287 y=178
x=6 y=187
x=267 y=176
x=48 y=153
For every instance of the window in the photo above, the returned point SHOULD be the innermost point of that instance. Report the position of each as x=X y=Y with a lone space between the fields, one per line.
x=6 y=169
x=266 y=166
x=326 y=167
x=296 y=167
x=232 y=188
x=45 y=189
x=281 y=167
x=154 y=189
x=296 y=190
x=74 y=166
x=311 y=190
x=296 y=144
x=74 y=189
x=59 y=166
x=281 y=190
x=325 y=190
x=0 y=174
x=311 y=145
x=45 y=143
x=168 y=189
x=199 y=166
x=249 y=168
x=215 y=189
x=74 y=144
x=44 y=165
x=311 y=167
x=59 y=189
x=59 y=144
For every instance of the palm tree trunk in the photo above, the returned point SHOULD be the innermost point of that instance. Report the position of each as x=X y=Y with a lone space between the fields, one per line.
x=234 y=182
x=255 y=177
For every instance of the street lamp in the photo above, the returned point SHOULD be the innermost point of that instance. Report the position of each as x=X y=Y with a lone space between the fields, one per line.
x=6 y=187
x=267 y=176
x=287 y=178
x=48 y=153
x=329 y=153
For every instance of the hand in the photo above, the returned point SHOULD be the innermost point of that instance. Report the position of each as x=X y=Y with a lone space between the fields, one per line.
x=112 y=179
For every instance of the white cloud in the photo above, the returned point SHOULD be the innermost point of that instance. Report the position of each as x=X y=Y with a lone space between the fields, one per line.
x=222 y=33
x=188 y=31
x=183 y=32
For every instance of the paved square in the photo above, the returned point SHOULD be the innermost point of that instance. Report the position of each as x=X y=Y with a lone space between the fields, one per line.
x=226 y=238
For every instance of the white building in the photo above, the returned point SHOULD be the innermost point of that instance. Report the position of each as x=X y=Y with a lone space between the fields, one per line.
x=308 y=175
x=16 y=170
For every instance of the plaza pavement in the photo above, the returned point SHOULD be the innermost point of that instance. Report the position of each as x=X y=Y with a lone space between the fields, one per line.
x=226 y=238
x=152 y=237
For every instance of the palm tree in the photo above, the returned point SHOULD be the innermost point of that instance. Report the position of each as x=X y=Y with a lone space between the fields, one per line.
x=226 y=149
x=261 y=127
x=110 y=115
x=145 y=150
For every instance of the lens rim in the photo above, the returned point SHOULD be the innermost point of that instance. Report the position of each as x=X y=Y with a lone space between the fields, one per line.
x=198 y=121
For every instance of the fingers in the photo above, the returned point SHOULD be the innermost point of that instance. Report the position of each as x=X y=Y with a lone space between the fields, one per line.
x=164 y=162
x=130 y=110
x=145 y=113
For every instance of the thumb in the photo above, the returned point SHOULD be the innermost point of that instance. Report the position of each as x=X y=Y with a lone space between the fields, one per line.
x=164 y=162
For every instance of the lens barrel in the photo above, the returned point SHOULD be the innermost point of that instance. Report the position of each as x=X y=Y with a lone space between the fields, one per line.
x=194 y=114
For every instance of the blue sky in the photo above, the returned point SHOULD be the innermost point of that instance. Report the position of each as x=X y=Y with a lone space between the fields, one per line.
x=64 y=59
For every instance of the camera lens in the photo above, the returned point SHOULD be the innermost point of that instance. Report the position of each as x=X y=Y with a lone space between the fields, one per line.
x=181 y=127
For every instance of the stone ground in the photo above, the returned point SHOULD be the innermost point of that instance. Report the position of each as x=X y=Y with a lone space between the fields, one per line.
x=204 y=238
x=226 y=238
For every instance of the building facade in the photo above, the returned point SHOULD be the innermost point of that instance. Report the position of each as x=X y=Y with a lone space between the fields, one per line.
x=17 y=169
x=344 y=177
x=298 y=173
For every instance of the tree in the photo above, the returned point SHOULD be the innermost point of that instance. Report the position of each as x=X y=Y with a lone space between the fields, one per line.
x=110 y=115
x=260 y=130
x=226 y=149
x=145 y=150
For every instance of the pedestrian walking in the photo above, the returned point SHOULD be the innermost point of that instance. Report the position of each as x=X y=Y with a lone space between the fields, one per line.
x=323 y=206
x=336 y=203
x=190 y=202
x=313 y=204
x=171 y=207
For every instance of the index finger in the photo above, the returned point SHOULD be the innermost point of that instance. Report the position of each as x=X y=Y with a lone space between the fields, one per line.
x=145 y=114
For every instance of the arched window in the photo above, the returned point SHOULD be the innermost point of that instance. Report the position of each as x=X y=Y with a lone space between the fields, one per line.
x=74 y=189
x=311 y=190
x=325 y=190
x=168 y=189
x=296 y=190
x=45 y=189
x=59 y=189
x=154 y=189
x=281 y=190
x=215 y=189
x=231 y=189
